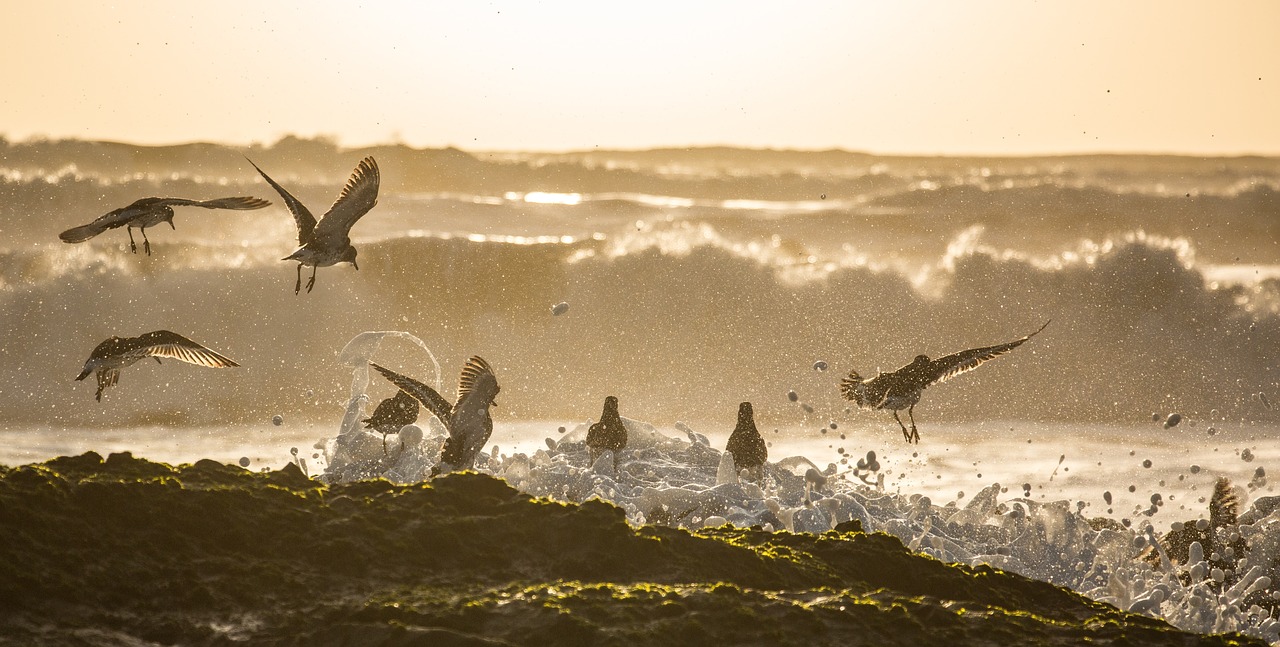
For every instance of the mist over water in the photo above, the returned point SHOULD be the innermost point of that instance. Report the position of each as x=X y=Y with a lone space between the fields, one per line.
x=695 y=279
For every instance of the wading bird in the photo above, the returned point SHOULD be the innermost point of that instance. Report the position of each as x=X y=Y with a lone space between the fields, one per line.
x=901 y=389
x=608 y=433
x=745 y=443
x=391 y=415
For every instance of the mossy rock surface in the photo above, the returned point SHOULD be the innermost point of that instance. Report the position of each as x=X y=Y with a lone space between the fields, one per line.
x=122 y=551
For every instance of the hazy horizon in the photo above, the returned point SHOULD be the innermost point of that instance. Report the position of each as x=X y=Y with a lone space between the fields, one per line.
x=913 y=78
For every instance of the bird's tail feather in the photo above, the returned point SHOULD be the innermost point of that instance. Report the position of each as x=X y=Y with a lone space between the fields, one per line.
x=851 y=388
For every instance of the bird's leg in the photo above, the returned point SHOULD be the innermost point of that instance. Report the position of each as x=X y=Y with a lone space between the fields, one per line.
x=146 y=244
x=133 y=247
x=905 y=434
x=911 y=414
x=312 y=282
x=297 y=287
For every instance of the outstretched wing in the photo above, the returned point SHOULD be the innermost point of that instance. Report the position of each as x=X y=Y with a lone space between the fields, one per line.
x=163 y=343
x=435 y=403
x=240 y=204
x=116 y=218
x=945 y=368
x=301 y=217
x=472 y=372
x=356 y=199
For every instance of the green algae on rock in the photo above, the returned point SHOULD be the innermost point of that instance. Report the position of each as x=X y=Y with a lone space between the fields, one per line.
x=123 y=549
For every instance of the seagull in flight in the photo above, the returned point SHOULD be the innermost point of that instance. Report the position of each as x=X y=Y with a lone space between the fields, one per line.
x=901 y=389
x=118 y=352
x=327 y=242
x=467 y=420
x=149 y=212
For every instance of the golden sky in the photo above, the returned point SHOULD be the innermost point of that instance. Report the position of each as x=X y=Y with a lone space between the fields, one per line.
x=983 y=77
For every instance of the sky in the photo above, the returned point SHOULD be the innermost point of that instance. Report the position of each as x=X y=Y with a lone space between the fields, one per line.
x=974 y=77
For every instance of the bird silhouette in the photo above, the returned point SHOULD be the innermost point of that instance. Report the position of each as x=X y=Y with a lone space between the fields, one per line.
x=149 y=212
x=391 y=415
x=118 y=352
x=901 y=389
x=608 y=433
x=467 y=420
x=745 y=443
x=327 y=242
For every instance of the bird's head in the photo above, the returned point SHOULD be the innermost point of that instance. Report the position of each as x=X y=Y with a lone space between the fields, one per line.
x=920 y=360
x=745 y=414
x=611 y=405
x=349 y=256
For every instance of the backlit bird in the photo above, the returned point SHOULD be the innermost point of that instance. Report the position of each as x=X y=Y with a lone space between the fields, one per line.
x=118 y=352
x=745 y=443
x=608 y=433
x=391 y=415
x=467 y=420
x=901 y=388
x=149 y=212
x=327 y=242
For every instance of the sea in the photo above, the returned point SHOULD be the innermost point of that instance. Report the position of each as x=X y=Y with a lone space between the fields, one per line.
x=683 y=282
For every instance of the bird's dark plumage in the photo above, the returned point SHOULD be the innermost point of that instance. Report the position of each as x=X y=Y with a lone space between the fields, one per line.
x=327 y=242
x=148 y=212
x=392 y=414
x=608 y=433
x=745 y=443
x=901 y=388
x=119 y=352
x=467 y=420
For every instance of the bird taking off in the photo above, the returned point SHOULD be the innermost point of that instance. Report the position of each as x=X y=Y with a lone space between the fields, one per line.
x=327 y=242
x=149 y=212
x=901 y=389
x=467 y=420
x=118 y=352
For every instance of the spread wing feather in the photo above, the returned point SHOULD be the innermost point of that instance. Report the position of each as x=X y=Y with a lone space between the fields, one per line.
x=471 y=373
x=163 y=343
x=358 y=196
x=945 y=368
x=301 y=216
x=434 y=402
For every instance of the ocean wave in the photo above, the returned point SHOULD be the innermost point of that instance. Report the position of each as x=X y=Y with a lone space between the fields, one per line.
x=678 y=321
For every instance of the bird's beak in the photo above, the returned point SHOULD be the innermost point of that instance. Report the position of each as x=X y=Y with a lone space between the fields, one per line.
x=173 y=226
x=353 y=264
x=85 y=373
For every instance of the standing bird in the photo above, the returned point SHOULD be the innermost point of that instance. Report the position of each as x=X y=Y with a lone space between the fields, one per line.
x=467 y=420
x=118 y=352
x=901 y=388
x=607 y=434
x=149 y=212
x=326 y=243
x=391 y=415
x=745 y=443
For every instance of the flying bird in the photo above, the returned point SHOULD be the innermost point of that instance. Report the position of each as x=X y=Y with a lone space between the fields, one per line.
x=118 y=352
x=149 y=212
x=467 y=420
x=391 y=415
x=745 y=443
x=607 y=434
x=901 y=389
x=327 y=242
